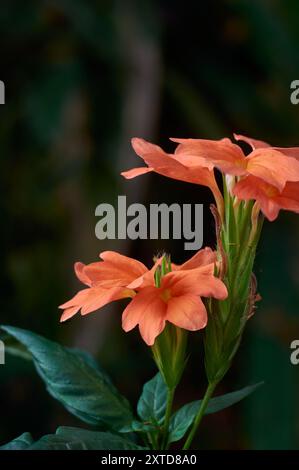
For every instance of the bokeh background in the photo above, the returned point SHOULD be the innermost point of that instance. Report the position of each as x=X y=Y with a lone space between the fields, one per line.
x=83 y=77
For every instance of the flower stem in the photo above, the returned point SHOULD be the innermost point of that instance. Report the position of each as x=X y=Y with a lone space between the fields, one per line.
x=204 y=403
x=152 y=438
x=170 y=397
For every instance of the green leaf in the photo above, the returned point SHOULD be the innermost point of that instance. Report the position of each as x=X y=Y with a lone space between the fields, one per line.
x=70 y=438
x=89 y=359
x=152 y=403
x=225 y=401
x=184 y=417
x=73 y=378
x=137 y=426
x=15 y=348
x=19 y=443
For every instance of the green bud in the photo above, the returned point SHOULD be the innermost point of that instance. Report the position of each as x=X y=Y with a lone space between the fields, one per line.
x=169 y=350
x=237 y=240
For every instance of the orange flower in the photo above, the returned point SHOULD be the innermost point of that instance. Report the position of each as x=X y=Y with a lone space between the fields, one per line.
x=201 y=258
x=192 y=170
x=273 y=165
x=106 y=279
x=176 y=300
x=270 y=199
x=178 y=166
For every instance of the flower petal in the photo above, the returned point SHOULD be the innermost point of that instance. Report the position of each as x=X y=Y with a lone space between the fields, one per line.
x=187 y=311
x=134 y=266
x=199 y=281
x=257 y=144
x=114 y=270
x=225 y=155
x=254 y=143
x=270 y=208
x=69 y=313
x=99 y=297
x=89 y=300
x=148 y=310
x=79 y=270
x=152 y=324
x=73 y=305
x=273 y=167
x=171 y=166
x=143 y=147
x=78 y=299
x=201 y=258
x=289 y=198
x=189 y=160
x=289 y=151
x=136 y=172
x=269 y=198
x=257 y=189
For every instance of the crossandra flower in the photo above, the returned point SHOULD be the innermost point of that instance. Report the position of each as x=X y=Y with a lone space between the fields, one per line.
x=270 y=200
x=183 y=167
x=274 y=165
x=106 y=281
x=176 y=300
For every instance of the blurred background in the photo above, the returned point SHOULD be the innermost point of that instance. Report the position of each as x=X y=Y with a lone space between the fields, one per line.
x=83 y=77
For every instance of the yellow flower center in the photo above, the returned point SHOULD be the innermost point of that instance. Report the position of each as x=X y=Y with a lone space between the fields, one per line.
x=128 y=293
x=165 y=295
x=271 y=191
x=241 y=163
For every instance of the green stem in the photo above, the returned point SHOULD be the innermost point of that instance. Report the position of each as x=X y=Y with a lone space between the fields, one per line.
x=152 y=440
x=170 y=398
x=156 y=441
x=204 y=403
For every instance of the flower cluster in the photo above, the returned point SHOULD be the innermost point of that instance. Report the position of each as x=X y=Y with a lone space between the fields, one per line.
x=268 y=175
x=175 y=297
x=166 y=300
